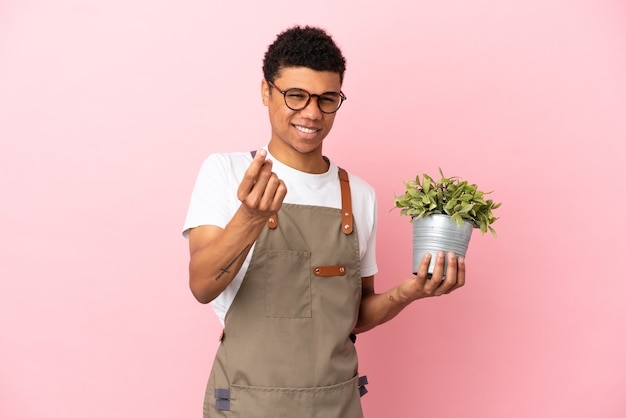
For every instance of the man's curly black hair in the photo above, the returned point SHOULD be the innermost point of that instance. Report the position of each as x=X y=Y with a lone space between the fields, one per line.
x=308 y=47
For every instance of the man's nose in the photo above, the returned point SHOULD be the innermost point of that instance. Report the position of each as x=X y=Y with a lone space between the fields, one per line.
x=312 y=109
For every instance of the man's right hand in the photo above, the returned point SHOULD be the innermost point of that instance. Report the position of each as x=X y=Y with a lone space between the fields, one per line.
x=261 y=192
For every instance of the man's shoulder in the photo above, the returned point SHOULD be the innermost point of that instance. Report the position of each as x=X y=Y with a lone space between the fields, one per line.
x=234 y=161
x=361 y=190
x=357 y=182
x=235 y=156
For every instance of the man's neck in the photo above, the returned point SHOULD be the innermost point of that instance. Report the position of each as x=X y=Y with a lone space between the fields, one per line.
x=312 y=162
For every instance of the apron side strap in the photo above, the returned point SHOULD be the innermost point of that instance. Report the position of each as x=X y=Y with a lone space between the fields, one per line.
x=222 y=399
x=347 y=220
x=362 y=382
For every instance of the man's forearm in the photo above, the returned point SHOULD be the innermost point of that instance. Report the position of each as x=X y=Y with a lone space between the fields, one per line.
x=217 y=256
x=378 y=308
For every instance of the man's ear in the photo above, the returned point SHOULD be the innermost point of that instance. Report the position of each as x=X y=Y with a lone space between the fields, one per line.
x=265 y=92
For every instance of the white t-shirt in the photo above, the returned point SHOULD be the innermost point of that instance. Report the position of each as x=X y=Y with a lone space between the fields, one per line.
x=214 y=202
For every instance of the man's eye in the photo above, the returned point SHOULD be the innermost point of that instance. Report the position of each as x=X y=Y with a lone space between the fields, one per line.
x=296 y=95
x=329 y=98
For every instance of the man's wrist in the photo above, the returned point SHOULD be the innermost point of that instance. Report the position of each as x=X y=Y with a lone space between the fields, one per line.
x=403 y=297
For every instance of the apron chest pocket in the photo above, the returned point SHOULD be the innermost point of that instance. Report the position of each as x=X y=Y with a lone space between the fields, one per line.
x=288 y=284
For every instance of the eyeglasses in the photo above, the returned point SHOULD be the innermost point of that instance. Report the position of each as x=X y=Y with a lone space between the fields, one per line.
x=298 y=99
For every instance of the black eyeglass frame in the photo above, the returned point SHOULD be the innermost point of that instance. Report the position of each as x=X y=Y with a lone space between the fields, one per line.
x=342 y=98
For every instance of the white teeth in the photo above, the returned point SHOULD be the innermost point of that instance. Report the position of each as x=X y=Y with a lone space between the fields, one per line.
x=305 y=130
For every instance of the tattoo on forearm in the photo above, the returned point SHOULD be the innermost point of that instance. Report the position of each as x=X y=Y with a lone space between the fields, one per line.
x=225 y=269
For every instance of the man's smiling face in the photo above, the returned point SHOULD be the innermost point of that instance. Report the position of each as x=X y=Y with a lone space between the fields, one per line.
x=300 y=131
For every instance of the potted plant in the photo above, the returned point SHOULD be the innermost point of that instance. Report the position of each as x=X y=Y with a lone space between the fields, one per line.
x=444 y=214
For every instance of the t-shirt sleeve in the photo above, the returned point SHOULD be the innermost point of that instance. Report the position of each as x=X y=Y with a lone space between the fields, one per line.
x=213 y=198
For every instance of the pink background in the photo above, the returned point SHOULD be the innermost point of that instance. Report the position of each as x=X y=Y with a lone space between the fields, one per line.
x=107 y=110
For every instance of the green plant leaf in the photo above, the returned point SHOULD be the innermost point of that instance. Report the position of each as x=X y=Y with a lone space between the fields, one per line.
x=450 y=195
x=427 y=183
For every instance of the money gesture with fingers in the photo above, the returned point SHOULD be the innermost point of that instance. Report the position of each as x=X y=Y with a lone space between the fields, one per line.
x=261 y=192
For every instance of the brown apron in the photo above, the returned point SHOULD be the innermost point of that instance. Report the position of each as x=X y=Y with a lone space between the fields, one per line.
x=287 y=349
